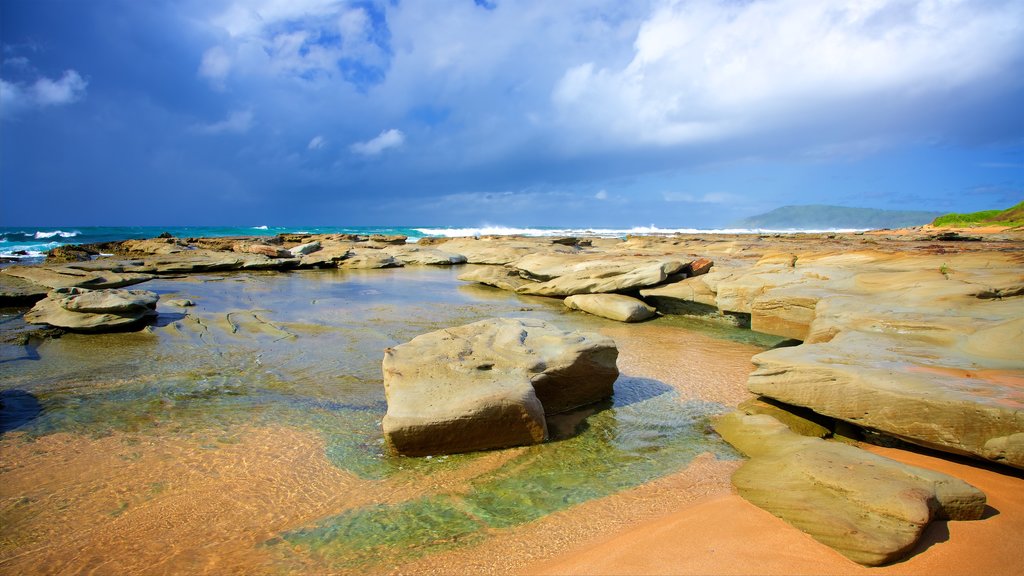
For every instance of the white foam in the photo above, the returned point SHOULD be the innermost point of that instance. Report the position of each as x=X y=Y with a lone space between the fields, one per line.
x=58 y=233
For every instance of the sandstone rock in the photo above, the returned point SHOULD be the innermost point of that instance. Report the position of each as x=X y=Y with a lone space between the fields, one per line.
x=497 y=276
x=180 y=303
x=264 y=249
x=70 y=253
x=870 y=509
x=679 y=297
x=698 y=267
x=368 y=258
x=304 y=249
x=193 y=261
x=410 y=254
x=17 y=292
x=804 y=424
x=489 y=384
x=153 y=246
x=611 y=306
x=396 y=239
x=86 y=310
x=68 y=277
x=916 y=391
x=480 y=251
x=331 y=252
x=613 y=276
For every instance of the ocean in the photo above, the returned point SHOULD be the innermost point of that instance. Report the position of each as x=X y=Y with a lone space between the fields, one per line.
x=31 y=243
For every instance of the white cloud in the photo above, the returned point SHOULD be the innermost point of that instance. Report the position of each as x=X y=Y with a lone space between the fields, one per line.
x=601 y=195
x=303 y=39
x=317 y=143
x=237 y=122
x=707 y=70
x=386 y=139
x=251 y=17
x=44 y=92
x=215 y=66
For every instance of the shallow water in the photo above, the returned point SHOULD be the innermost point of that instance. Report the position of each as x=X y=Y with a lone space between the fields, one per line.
x=243 y=435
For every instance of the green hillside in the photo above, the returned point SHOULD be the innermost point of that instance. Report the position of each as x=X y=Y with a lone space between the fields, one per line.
x=1013 y=216
x=817 y=216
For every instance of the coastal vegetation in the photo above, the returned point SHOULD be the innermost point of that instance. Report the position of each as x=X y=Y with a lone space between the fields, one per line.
x=1011 y=217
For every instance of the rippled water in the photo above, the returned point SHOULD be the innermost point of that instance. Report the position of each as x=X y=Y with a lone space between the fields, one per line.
x=242 y=435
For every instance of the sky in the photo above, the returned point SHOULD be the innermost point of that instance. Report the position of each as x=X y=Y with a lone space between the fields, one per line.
x=674 y=113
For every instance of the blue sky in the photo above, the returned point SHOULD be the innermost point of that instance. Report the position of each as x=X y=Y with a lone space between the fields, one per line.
x=529 y=112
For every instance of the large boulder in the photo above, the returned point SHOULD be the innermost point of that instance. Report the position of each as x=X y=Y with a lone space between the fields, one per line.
x=611 y=306
x=83 y=310
x=871 y=509
x=490 y=384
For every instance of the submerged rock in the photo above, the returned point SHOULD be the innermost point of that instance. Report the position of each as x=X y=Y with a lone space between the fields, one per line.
x=85 y=310
x=871 y=509
x=489 y=384
x=611 y=306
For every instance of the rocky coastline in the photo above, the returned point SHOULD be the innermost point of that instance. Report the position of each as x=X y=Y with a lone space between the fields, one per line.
x=912 y=337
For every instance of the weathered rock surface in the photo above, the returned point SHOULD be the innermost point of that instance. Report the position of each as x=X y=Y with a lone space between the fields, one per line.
x=68 y=277
x=870 y=509
x=605 y=276
x=410 y=254
x=368 y=258
x=611 y=306
x=264 y=249
x=498 y=253
x=70 y=253
x=679 y=297
x=497 y=276
x=489 y=384
x=86 y=310
x=935 y=396
x=304 y=249
x=16 y=291
x=180 y=303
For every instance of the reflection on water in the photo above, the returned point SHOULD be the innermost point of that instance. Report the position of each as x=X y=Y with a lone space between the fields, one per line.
x=222 y=401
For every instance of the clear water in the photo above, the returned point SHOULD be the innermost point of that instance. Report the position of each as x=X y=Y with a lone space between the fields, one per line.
x=298 y=352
